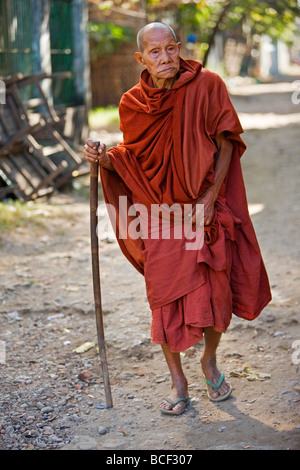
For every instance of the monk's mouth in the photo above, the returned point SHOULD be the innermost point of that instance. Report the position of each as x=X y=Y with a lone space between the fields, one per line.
x=170 y=69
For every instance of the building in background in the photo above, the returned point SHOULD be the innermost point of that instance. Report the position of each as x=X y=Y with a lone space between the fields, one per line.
x=50 y=36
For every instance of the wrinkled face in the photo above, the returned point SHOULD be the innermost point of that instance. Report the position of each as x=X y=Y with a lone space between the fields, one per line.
x=160 y=55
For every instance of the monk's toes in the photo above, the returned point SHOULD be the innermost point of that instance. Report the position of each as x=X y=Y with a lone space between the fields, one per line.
x=213 y=393
x=224 y=388
x=220 y=390
x=164 y=405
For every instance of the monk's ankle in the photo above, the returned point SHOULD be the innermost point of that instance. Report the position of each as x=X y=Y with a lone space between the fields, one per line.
x=180 y=387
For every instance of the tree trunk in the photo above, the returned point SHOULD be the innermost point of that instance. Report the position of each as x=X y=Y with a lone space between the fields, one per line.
x=215 y=30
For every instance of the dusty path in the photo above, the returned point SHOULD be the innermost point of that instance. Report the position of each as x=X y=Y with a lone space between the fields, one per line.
x=46 y=311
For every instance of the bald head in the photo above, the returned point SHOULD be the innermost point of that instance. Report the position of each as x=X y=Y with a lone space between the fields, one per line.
x=151 y=27
x=159 y=53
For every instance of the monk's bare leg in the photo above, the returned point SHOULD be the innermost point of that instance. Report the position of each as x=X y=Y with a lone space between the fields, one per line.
x=209 y=362
x=179 y=382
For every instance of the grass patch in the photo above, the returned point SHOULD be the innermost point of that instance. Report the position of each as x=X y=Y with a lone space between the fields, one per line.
x=23 y=214
x=104 y=118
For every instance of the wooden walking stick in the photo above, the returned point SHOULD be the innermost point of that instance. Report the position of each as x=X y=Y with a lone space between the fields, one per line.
x=94 y=177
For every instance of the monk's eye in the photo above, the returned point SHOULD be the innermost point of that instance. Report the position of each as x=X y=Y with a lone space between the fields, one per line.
x=155 y=52
x=171 y=49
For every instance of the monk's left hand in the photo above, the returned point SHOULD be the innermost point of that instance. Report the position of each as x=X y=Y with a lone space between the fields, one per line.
x=208 y=200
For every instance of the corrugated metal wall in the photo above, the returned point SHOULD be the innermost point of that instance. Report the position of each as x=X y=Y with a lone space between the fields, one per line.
x=16 y=43
x=16 y=54
x=15 y=37
x=61 y=38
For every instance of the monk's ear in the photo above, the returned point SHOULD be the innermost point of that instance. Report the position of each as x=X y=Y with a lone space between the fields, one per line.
x=139 y=58
x=179 y=45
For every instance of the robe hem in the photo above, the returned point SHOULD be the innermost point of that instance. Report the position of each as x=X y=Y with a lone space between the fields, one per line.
x=192 y=342
x=239 y=312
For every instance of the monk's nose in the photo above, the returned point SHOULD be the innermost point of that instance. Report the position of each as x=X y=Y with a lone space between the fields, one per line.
x=165 y=57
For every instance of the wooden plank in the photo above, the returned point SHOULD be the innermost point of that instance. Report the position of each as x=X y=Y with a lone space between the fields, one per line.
x=36 y=158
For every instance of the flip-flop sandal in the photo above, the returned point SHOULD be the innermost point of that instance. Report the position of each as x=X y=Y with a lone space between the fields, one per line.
x=187 y=401
x=216 y=387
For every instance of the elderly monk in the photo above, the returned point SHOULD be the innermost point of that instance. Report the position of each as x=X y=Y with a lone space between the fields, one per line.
x=182 y=145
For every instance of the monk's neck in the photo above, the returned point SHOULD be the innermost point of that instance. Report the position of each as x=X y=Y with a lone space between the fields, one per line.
x=163 y=83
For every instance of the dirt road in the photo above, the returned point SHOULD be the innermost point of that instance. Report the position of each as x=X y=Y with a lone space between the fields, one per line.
x=46 y=312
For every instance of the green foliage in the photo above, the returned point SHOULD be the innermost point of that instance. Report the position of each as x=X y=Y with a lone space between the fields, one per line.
x=273 y=17
x=106 y=38
x=242 y=19
x=18 y=214
x=104 y=118
x=34 y=215
x=200 y=19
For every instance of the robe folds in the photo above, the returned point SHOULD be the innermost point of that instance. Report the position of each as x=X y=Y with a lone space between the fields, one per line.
x=167 y=156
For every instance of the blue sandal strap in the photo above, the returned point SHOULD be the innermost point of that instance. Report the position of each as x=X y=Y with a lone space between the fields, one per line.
x=217 y=385
x=186 y=400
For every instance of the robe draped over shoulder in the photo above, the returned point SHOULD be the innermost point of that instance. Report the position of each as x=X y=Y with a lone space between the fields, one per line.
x=167 y=156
